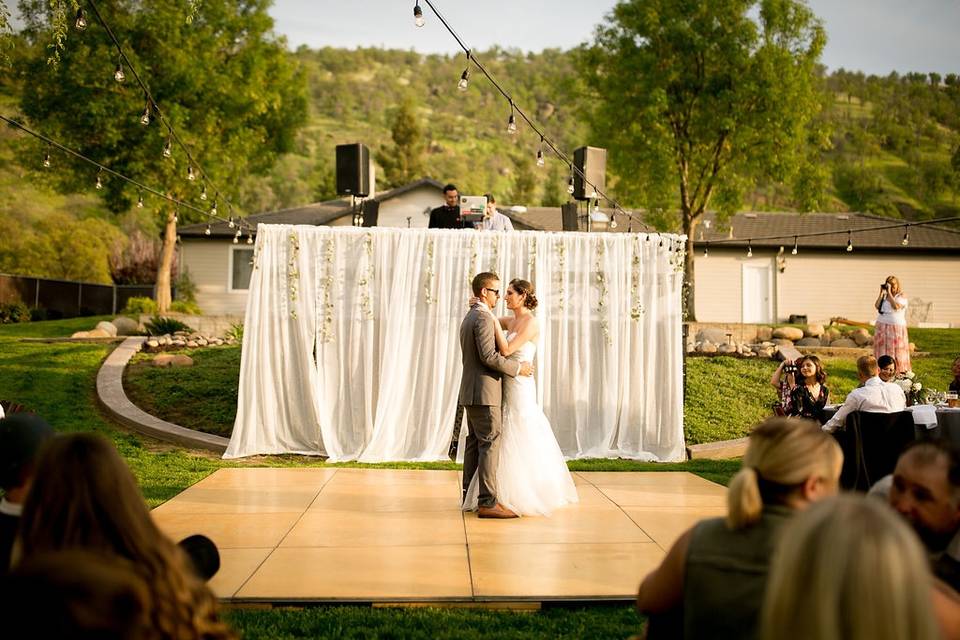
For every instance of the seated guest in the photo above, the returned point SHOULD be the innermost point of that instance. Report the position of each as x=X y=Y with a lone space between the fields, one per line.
x=925 y=489
x=875 y=395
x=784 y=379
x=21 y=435
x=955 y=383
x=809 y=396
x=84 y=497
x=888 y=368
x=715 y=574
x=493 y=220
x=849 y=568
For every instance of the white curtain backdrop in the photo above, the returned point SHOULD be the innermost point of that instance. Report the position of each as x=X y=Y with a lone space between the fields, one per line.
x=351 y=340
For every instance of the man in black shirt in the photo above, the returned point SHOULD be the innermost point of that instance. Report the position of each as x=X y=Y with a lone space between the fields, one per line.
x=448 y=216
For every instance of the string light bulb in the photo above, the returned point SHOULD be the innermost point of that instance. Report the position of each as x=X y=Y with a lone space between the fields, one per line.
x=140 y=200
x=570 y=182
x=99 y=179
x=213 y=212
x=203 y=193
x=613 y=221
x=145 y=116
x=706 y=250
x=207 y=230
x=191 y=176
x=249 y=238
x=906 y=236
x=464 y=80
x=168 y=148
x=81 y=21
x=795 y=249
x=512 y=121
x=230 y=222
x=749 y=248
x=46 y=160
x=849 y=241
x=540 y=160
x=176 y=215
x=118 y=74
x=418 y=15
x=236 y=237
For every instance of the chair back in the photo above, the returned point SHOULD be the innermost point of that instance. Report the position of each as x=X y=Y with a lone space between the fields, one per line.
x=871 y=444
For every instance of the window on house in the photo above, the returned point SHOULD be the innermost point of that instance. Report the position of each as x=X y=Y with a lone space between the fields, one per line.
x=242 y=268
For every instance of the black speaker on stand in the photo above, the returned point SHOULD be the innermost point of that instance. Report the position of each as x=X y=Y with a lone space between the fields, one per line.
x=370 y=211
x=570 y=215
x=353 y=170
x=590 y=173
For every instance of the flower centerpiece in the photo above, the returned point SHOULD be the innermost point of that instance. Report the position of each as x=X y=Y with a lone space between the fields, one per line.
x=913 y=388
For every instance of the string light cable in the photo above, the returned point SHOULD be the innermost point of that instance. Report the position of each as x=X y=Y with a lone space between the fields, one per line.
x=515 y=108
x=103 y=169
x=194 y=168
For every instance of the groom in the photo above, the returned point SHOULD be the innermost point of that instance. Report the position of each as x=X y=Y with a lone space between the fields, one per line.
x=480 y=395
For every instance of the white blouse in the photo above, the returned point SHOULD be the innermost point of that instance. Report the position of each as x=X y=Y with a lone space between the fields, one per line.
x=887 y=314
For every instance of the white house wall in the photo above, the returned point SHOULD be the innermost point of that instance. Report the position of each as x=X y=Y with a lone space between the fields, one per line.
x=414 y=204
x=822 y=285
x=209 y=265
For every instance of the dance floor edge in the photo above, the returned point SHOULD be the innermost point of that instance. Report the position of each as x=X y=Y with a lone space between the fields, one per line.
x=380 y=536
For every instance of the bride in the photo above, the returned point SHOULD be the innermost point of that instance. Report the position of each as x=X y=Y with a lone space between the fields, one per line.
x=532 y=476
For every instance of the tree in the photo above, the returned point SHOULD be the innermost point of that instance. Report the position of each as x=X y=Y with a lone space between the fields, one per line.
x=524 y=182
x=228 y=87
x=703 y=92
x=403 y=161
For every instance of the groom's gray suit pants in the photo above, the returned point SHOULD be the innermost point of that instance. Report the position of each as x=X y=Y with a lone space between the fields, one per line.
x=482 y=451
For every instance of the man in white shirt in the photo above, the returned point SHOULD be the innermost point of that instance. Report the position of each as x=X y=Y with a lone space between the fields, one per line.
x=875 y=395
x=493 y=220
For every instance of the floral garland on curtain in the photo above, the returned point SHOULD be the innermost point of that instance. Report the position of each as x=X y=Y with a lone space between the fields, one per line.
x=561 y=250
x=531 y=259
x=495 y=254
x=602 y=286
x=366 y=302
x=428 y=274
x=636 y=309
x=293 y=273
x=326 y=283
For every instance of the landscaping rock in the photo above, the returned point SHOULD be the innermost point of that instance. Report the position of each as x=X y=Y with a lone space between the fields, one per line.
x=81 y=334
x=788 y=333
x=830 y=335
x=181 y=360
x=108 y=328
x=727 y=348
x=708 y=347
x=766 y=352
x=126 y=326
x=202 y=341
x=178 y=342
x=813 y=331
x=808 y=342
x=716 y=336
x=843 y=342
x=218 y=342
x=784 y=342
x=861 y=336
x=163 y=360
x=153 y=344
x=192 y=344
x=99 y=333
x=764 y=334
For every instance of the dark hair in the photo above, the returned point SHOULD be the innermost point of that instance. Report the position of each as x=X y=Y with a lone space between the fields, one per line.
x=85 y=497
x=929 y=450
x=450 y=187
x=885 y=360
x=524 y=287
x=489 y=197
x=481 y=280
x=820 y=375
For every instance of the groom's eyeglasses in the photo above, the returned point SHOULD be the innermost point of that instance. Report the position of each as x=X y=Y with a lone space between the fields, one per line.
x=496 y=292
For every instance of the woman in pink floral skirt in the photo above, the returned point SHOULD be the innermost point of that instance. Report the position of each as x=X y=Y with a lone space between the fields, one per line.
x=891 y=328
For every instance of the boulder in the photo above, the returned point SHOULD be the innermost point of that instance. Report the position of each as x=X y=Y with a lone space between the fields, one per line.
x=708 y=347
x=830 y=335
x=808 y=342
x=218 y=342
x=716 y=336
x=99 y=333
x=192 y=344
x=153 y=344
x=843 y=342
x=788 y=333
x=126 y=326
x=81 y=334
x=181 y=360
x=163 y=360
x=727 y=348
x=107 y=327
x=766 y=352
x=861 y=336
x=202 y=341
x=813 y=331
x=764 y=334
x=783 y=342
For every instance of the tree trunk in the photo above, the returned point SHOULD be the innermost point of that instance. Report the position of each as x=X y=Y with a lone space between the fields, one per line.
x=690 y=222
x=163 y=294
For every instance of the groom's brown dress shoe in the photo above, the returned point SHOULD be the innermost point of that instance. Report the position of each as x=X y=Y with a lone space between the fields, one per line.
x=496 y=511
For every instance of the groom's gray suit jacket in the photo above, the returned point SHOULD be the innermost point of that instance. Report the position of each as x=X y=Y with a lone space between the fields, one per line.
x=482 y=363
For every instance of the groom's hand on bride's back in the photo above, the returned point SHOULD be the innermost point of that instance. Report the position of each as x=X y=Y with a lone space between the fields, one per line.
x=526 y=368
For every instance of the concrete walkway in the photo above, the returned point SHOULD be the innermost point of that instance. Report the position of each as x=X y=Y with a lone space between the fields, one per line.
x=112 y=398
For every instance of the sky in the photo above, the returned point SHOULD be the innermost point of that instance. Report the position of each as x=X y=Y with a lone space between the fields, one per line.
x=873 y=36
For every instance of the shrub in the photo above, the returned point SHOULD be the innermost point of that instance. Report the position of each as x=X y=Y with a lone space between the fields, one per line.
x=11 y=312
x=158 y=326
x=140 y=305
x=185 y=306
x=235 y=331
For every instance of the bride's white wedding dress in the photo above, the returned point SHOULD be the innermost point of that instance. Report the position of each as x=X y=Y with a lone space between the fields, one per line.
x=532 y=476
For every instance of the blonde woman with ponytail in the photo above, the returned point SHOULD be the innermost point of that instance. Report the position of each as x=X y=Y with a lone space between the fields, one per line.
x=712 y=581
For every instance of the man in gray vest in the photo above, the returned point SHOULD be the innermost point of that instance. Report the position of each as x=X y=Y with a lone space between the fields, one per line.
x=480 y=395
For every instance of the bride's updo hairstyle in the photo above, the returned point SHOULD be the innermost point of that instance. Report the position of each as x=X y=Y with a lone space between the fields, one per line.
x=524 y=287
x=781 y=455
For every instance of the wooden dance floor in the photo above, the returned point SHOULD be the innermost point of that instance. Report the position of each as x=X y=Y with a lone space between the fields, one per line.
x=397 y=536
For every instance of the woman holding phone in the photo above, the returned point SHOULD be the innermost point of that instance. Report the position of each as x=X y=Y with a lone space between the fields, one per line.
x=891 y=328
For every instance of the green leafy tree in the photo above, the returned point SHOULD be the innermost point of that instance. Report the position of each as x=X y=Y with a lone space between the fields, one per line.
x=231 y=91
x=708 y=93
x=524 y=182
x=403 y=161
